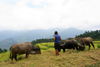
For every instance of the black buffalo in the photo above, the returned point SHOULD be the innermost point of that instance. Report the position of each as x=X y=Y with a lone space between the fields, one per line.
x=68 y=44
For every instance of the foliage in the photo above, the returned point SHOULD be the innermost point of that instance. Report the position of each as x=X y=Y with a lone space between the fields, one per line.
x=42 y=41
x=3 y=50
x=93 y=34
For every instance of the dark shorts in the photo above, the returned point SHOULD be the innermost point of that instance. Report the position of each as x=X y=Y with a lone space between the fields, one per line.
x=57 y=46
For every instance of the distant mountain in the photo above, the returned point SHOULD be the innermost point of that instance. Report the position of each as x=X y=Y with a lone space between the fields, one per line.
x=7 y=43
x=6 y=34
x=30 y=35
x=36 y=34
x=9 y=37
x=70 y=33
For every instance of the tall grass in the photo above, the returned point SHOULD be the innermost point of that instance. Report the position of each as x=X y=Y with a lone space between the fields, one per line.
x=49 y=59
x=45 y=47
x=4 y=56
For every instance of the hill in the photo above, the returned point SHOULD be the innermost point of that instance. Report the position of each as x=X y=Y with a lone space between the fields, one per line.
x=70 y=33
x=71 y=58
x=68 y=59
x=6 y=34
x=30 y=35
x=94 y=34
x=7 y=43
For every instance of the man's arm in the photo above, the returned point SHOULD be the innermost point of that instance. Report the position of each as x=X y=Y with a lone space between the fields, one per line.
x=60 y=38
x=54 y=38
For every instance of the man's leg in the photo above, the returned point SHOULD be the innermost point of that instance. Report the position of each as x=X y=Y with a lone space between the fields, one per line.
x=56 y=49
x=59 y=48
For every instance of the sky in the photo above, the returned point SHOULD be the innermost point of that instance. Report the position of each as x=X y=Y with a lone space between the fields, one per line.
x=48 y=14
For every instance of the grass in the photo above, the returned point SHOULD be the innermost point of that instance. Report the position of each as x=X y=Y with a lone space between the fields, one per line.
x=71 y=58
x=4 y=56
x=48 y=59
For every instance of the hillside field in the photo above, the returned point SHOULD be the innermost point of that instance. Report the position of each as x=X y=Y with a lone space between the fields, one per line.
x=71 y=58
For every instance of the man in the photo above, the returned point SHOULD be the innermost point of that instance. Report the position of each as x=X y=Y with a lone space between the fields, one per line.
x=57 y=39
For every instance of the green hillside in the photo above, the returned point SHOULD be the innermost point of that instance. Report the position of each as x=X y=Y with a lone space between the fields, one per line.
x=4 y=56
x=93 y=34
x=71 y=58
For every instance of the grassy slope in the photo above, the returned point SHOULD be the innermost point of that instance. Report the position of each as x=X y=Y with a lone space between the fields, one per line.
x=4 y=56
x=68 y=59
x=48 y=58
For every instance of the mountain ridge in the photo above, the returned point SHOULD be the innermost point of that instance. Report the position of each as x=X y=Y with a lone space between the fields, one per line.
x=30 y=35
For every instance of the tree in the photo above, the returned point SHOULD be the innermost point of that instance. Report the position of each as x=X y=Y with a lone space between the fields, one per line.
x=93 y=34
x=42 y=40
x=1 y=50
x=4 y=50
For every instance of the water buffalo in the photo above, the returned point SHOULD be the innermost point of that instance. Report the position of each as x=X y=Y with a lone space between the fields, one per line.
x=22 y=48
x=87 y=41
x=68 y=44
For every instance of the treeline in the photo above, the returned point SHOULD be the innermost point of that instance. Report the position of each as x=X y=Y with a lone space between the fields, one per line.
x=3 y=50
x=42 y=41
x=93 y=34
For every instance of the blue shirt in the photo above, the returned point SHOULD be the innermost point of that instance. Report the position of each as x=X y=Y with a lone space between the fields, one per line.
x=57 y=38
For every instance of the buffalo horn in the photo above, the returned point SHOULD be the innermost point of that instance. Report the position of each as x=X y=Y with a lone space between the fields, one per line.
x=62 y=44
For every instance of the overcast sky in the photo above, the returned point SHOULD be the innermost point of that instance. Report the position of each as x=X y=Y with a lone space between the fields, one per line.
x=47 y=14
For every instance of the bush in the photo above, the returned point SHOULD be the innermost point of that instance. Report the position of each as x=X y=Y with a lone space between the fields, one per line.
x=98 y=46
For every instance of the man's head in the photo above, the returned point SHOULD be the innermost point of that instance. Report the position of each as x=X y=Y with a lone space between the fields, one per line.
x=56 y=32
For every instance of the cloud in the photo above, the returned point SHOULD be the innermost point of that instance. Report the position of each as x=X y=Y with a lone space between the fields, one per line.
x=46 y=14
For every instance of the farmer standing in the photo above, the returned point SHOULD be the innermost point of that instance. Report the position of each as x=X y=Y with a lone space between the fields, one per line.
x=57 y=39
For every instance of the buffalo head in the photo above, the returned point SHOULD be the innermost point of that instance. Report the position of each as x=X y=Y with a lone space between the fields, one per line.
x=81 y=47
x=37 y=50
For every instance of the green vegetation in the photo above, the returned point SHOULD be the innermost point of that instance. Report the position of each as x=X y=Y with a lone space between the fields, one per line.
x=4 y=56
x=42 y=41
x=93 y=34
x=46 y=46
x=71 y=58
x=3 y=50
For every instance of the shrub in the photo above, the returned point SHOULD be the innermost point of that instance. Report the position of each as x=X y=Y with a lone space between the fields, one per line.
x=98 y=46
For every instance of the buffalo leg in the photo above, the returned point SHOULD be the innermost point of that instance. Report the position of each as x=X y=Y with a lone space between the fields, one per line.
x=13 y=55
x=16 y=57
x=92 y=45
x=63 y=50
x=77 y=47
x=74 y=48
x=12 y=59
x=89 y=47
x=27 y=55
